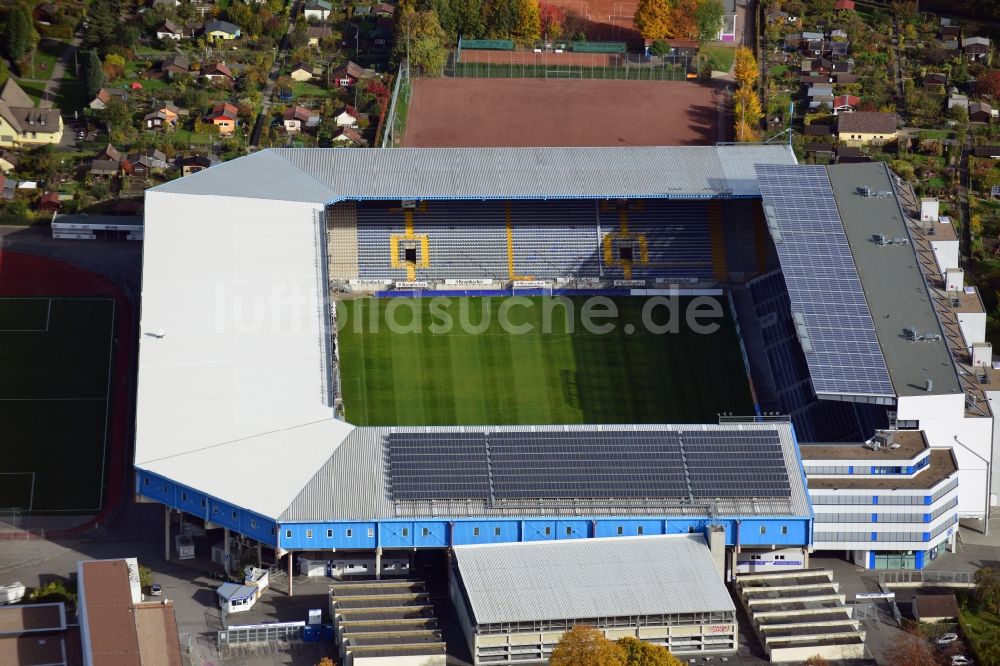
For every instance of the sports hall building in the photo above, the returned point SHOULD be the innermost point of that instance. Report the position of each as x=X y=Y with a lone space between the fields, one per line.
x=873 y=432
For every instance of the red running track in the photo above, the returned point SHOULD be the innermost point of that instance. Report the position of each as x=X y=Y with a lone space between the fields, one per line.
x=29 y=275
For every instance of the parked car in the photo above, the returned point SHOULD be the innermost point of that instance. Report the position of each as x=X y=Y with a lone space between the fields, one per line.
x=155 y=590
x=961 y=660
x=947 y=639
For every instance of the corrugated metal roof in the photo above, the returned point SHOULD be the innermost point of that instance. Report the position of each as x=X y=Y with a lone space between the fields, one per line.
x=333 y=174
x=288 y=459
x=352 y=484
x=580 y=579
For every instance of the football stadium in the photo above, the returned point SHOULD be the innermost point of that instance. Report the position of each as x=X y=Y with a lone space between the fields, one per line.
x=425 y=352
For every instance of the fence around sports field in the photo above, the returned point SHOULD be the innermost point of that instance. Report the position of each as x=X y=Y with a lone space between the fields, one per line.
x=567 y=65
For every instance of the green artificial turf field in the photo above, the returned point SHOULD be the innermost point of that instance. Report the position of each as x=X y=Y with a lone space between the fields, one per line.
x=55 y=361
x=457 y=377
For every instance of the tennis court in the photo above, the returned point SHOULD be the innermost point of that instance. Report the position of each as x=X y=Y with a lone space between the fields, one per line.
x=56 y=358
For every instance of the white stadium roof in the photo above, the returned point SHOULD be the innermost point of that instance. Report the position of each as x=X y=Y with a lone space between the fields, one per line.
x=327 y=175
x=578 y=579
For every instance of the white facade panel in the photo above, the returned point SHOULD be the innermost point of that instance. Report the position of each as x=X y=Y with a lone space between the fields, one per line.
x=231 y=341
x=946 y=254
x=973 y=327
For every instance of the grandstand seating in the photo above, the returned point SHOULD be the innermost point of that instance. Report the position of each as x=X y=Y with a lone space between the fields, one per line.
x=551 y=239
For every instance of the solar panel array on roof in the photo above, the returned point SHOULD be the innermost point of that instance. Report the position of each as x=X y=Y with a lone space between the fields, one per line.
x=438 y=465
x=831 y=315
x=607 y=464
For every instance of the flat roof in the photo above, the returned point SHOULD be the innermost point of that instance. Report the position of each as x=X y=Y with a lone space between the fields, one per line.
x=33 y=651
x=893 y=284
x=328 y=175
x=942 y=466
x=32 y=617
x=580 y=579
x=911 y=442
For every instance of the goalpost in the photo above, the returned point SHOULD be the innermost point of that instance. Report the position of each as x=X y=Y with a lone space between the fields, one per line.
x=18 y=496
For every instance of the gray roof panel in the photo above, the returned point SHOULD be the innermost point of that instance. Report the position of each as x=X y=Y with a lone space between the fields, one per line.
x=590 y=578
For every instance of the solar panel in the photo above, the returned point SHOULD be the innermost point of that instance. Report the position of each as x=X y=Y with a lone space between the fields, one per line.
x=833 y=320
x=735 y=464
x=442 y=465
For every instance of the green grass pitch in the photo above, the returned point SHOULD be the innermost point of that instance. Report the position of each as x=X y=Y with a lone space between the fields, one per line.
x=456 y=377
x=55 y=361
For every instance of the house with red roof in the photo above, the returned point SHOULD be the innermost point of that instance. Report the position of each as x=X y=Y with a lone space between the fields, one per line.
x=224 y=116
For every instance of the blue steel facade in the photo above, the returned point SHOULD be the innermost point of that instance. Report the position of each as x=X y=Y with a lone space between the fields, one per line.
x=791 y=531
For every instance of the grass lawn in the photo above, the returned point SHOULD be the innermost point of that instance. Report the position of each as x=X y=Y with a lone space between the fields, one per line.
x=401 y=111
x=55 y=360
x=194 y=137
x=46 y=55
x=936 y=134
x=721 y=57
x=149 y=85
x=308 y=89
x=458 y=375
x=982 y=631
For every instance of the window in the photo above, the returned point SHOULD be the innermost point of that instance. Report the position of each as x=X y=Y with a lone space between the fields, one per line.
x=145 y=481
x=288 y=534
x=329 y=534
x=371 y=532
x=273 y=530
x=548 y=531
x=426 y=532
x=784 y=530
x=253 y=524
x=184 y=496
x=621 y=530
x=763 y=529
x=496 y=531
x=309 y=534
x=691 y=529
x=569 y=530
x=215 y=510
x=348 y=533
x=406 y=531
x=203 y=503
x=475 y=531
x=779 y=557
x=638 y=530
x=234 y=515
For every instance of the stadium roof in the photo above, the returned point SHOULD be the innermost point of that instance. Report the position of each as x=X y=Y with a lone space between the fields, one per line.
x=832 y=319
x=581 y=579
x=327 y=175
x=894 y=286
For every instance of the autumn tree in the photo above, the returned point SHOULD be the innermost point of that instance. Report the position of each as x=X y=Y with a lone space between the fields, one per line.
x=641 y=653
x=988 y=84
x=910 y=650
x=746 y=113
x=16 y=33
x=653 y=19
x=426 y=39
x=746 y=70
x=584 y=645
x=987 y=592
x=683 y=21
x=553 y=20
x=817 y=660
x=527 y=22
x=325 y=661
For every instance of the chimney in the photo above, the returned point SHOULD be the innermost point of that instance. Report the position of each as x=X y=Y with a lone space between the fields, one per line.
x=715 y=535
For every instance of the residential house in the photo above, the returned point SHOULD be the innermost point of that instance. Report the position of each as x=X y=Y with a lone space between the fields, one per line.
x=976 y=48
x=813 y=48
x=950 y=32
x=933 y=608
x=348 y=117
x=106 y=163
x=298 y=118
x=845 y=104
x=992 y=152
x=163 y=3
x=378 y=38
x=105 y=95
x=317 y=9
x=851 y=155
x=195 y=163
x=981 y=112
x=21 y=124
x=163 y=117
x=45 y=12
x=8 y=161
x=949 y=45
x=845 y=5
x=350 y=73
x=384 y=9
x=361 y=11
x=146 y=162
x=837 y=33
x=836 y=49
x=316 y=33
x=841 y=77
x=168 y=30
x=819 y=149
x=683 y=48
x=935 y=82
x=175 y=64
x=49 y=203
x=224 y=116
x=216 y=29
x=864 y=127
x=349 y=136
x=820 y=100
x=217 y=72
x=301 y=72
